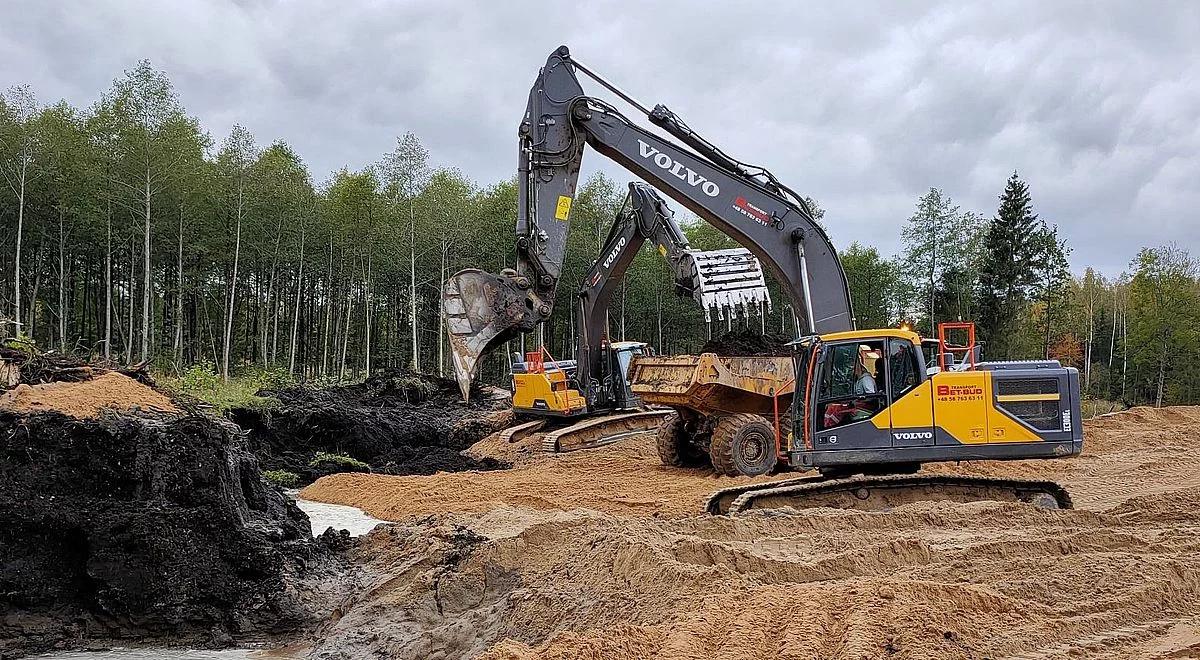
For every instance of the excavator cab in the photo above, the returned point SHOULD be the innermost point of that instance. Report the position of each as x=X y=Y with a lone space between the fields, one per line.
x=870 y=400
x=551 y=388
x=622 y=354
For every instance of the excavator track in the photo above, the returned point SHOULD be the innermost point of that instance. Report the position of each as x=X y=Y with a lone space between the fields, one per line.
x=880 y=493
x=601 y=431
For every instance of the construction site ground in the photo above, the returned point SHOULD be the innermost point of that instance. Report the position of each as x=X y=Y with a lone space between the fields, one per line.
x=604 y=554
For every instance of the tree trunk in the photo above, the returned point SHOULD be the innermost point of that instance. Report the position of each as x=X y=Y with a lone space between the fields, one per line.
x=20 y=237
x=1162 y=369
x=62 y=292
x=108 y=290
x=146 y=276
x=412 y=282
x=346 y=330
x=367 y=315
x=130 y=297
x=177 y=349
x=296 y=310
x=237 y=249
x=441 y=317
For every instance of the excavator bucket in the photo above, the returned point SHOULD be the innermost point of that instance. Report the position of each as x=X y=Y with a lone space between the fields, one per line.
x=483 y=310
x=730 y=281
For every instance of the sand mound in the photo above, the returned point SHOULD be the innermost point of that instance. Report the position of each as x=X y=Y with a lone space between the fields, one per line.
x=625 y=478
x=929 y=580
x=87 y=398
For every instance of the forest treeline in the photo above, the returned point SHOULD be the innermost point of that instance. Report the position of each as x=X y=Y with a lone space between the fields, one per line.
x=130 y=234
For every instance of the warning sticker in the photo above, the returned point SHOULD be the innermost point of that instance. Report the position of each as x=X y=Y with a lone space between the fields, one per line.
x=564 y=208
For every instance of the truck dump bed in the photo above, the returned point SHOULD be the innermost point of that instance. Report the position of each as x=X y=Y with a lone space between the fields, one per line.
x=709 y=383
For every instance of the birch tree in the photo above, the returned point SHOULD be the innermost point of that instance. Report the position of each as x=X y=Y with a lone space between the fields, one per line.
x=18 y=141
x=405 y=172
x=238 y=153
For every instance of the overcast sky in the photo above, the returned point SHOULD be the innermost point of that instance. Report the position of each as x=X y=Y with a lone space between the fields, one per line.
x=862 y=106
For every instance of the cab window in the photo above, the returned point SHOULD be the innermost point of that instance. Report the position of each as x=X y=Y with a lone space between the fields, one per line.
x=905 y=370
x=852 y=385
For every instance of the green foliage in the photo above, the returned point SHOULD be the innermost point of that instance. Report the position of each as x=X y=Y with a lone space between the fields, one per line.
x=130 y=209
x=241 y=391
x=282 y=478
x=873 y=286
x=1007 y=274
x=338 y=459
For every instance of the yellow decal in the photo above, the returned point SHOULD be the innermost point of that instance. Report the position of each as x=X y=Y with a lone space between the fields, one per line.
x=662 y=250
x=564 y=208
x=1004 y=398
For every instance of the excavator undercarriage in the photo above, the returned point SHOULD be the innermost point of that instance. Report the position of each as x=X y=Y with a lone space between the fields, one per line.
x=883 y=492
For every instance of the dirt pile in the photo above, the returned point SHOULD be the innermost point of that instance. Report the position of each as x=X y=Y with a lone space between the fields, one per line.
x=396 y=422
x=122 y=527
x=87 y=398
x=748 y=343
x=530 y=574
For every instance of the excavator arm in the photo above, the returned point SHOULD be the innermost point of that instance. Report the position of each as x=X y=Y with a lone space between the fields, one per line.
x=745 y=202
x=729 y=282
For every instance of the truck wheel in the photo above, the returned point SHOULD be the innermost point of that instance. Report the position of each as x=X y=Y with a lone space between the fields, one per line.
x=675 y=443
x=743 y=444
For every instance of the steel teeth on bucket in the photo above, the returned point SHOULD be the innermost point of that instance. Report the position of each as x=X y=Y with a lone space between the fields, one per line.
x=730 y=281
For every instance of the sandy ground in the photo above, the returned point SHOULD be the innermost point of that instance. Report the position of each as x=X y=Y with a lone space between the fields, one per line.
x=602 y=554
x=87 y=398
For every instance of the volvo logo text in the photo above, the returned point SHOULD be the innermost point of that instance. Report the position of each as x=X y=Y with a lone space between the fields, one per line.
x=612 y=256
x=683 y=172
x=914 y=435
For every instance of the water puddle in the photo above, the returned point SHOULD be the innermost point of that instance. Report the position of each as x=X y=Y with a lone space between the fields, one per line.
x=337 y=516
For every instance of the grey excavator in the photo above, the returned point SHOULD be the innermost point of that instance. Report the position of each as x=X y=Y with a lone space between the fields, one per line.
x=857 y=406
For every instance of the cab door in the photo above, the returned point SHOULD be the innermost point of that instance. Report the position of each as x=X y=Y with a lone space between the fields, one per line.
x=910 y=397
x=850 y=410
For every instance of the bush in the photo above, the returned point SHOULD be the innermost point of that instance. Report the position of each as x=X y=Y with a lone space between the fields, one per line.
x=203 y=382
x=282 y=478
x=340 y=460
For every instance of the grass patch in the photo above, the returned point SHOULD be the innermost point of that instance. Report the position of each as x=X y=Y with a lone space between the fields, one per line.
x=282 y=478
x=1095 y=407
x=338 y=459
x=202 y=382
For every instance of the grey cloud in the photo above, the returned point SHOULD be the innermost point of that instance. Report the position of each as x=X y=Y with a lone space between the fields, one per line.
x=863 y=106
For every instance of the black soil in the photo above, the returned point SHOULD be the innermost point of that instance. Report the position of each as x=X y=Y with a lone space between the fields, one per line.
x=396 y=422
x=155 y=530
x=747 y=343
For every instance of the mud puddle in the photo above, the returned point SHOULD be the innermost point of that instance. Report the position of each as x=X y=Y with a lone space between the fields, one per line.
x=323 y=516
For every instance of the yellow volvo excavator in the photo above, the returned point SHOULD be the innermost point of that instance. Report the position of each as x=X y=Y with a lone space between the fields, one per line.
x=859 y=406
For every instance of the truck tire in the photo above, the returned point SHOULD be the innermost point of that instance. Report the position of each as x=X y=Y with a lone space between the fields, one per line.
x=675 y=443
x=743 y=444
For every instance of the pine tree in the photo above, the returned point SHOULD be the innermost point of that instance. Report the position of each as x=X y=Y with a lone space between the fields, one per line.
x=1008 y=270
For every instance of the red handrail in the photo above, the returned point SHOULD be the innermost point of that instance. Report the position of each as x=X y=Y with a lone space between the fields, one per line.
x=775 y=402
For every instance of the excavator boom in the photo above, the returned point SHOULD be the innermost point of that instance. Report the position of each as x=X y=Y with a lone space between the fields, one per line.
x=743 y=201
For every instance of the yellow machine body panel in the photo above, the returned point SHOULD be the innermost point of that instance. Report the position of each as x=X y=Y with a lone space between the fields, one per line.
x=960 y=403
x=547 y=393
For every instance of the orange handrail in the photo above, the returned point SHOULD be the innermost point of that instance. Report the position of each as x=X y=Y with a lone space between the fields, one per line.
x=775 y=402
